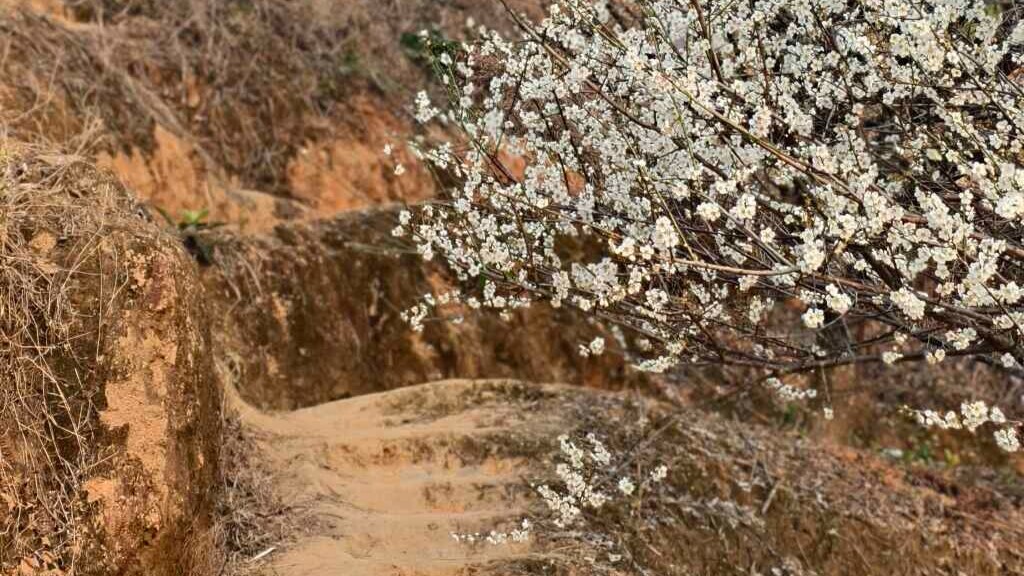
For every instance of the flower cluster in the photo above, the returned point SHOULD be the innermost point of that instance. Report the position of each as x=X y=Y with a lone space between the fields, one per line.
x=788 y=393
x=973 y=415
x=495 y=538
x=724 y=160
x=581 y=473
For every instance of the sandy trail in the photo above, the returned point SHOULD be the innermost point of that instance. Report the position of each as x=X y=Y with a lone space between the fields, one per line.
x=379 y=482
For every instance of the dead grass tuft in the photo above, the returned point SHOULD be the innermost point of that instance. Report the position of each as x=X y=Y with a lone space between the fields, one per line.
x=59 y=89
x=250 y=516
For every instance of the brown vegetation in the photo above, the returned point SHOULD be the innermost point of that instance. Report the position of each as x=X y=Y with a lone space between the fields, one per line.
x=221 y=104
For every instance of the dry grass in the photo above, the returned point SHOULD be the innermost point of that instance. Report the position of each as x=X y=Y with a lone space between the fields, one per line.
x=250 y=515
x=80 y=492
x=51 y=218
x=248 y=84
x=59 y=91
x=744 y=499
x=245 y=83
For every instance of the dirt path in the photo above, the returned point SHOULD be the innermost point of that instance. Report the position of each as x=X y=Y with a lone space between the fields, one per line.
x=378 y=483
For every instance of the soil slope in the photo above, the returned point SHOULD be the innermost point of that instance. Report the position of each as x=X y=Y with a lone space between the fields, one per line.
x=376 y=485
x=382 y=481
x=113 y=456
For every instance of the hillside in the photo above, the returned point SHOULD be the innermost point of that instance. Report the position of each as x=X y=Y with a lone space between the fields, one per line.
x=235 y=392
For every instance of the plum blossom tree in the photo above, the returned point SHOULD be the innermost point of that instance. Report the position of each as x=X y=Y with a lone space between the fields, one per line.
x=787 y=185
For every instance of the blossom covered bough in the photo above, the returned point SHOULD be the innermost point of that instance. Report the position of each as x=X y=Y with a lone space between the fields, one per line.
x=787 y=185
x=582 y=474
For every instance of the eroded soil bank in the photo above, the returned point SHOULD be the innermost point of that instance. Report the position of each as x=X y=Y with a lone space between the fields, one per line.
x=259 y=111
x=311 y=314
x=110 y=410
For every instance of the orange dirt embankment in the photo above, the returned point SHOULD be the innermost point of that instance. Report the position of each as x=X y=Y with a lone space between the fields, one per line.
x=260 y=112
x=108 y=451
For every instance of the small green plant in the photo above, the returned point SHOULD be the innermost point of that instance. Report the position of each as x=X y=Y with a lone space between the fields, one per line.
x=429 y=45
x=951 y=458
x=193 y=219
x=921 y=451
x=190 y=226
x=789 y=416
x=350 y=63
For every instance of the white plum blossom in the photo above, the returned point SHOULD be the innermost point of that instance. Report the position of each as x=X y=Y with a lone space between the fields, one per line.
x=626 y=486
x=665 y=236
x=659 y=473
x=961 y=339
x=745 y=207
x=972 y=416
x=1007 y=439
x=837 y=300
x=599 y=454
x=425 y=111
x=1011 y=206
x=814 y=318
x=908 y=303
x=698 y=185
x=948 y=421
x=708 y=211
x=595 y=348
x=580 y=474
x=495 y=538
x=788 y=393
x=890 y=357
